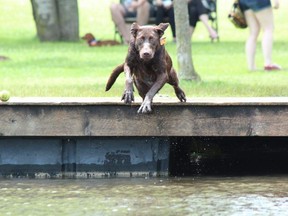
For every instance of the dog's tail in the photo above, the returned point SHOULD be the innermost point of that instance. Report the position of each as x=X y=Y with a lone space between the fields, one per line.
x=114 y=75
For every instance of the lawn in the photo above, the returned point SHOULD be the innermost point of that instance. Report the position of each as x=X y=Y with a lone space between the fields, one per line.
x=75 y=70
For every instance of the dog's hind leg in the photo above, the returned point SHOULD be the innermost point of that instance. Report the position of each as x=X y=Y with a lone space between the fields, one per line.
x=128 y=95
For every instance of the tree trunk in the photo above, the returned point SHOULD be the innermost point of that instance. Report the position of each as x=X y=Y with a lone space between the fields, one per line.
x=184 y=51
x=45 y=16
x=68 y=20
x=56 y=19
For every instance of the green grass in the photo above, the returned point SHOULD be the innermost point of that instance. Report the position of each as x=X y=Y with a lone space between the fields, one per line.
x=73 y=69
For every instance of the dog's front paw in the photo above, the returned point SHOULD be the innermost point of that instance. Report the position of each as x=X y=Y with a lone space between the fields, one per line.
x=145 y=107
x=181 y=95
x=128 y=97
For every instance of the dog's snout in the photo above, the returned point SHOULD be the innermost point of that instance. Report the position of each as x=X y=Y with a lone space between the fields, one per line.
x=146 y=54
x=146 y=51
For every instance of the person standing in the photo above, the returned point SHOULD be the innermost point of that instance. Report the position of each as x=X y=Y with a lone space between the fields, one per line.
x=259 y=15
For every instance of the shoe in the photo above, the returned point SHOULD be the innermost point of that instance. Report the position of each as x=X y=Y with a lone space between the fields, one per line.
x=272 y=67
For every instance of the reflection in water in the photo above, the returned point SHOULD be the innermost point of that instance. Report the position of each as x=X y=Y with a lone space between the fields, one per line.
x=173 y=196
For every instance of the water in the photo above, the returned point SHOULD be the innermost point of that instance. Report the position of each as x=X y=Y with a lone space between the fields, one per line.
x=170 y=196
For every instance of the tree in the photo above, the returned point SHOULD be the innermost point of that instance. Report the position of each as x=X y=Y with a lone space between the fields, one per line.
x=184 y=51
x=56 y=19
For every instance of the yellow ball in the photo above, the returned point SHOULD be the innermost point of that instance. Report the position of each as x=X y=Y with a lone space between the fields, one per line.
x=4 y=95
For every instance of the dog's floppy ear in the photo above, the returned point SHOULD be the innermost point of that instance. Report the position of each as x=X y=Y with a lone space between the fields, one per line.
x=134 y=29
x=161 y=28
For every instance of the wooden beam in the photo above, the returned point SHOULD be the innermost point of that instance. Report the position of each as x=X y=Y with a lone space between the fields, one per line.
x=110 y=117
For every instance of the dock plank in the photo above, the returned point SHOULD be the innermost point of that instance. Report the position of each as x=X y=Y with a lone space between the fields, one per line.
x=111 y=117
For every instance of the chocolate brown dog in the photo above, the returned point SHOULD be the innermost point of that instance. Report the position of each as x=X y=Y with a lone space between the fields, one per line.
x=93 y=42
x=148 y=65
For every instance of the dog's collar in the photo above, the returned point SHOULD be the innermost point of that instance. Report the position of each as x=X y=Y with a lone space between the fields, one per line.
x=93 y=41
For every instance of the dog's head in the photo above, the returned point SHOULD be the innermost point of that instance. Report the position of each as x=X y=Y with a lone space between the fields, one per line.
x=88 y=37
x=147 y=39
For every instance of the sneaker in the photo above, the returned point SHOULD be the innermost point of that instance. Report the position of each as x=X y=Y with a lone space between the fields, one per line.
x=272 y=67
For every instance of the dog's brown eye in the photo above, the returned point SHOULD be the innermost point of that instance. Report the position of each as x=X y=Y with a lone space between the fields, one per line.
x=140 y=40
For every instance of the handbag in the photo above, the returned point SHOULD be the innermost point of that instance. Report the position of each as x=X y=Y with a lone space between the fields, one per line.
x=236 y=16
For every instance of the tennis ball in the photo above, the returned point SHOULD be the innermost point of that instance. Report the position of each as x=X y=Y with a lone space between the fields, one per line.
x=4 y=95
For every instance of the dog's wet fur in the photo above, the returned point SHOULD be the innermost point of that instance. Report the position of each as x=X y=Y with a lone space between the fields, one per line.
x=148 y=65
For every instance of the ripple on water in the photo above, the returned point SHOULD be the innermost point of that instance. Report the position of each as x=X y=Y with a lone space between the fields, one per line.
x=185 y=196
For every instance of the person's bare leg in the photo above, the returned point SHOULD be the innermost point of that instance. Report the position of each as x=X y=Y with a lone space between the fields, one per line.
x=143 y=14
x=266 y=20
x=205 y=20
x=117 y=13
x=251 y=43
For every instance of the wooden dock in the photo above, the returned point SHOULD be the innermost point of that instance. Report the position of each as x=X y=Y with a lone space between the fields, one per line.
x=110 y=117
x=86 y=137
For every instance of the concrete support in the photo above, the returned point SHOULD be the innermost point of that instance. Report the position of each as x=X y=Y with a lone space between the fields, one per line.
x=88 y=157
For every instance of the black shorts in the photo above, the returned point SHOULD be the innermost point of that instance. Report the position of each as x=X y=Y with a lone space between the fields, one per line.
x=196 y=9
